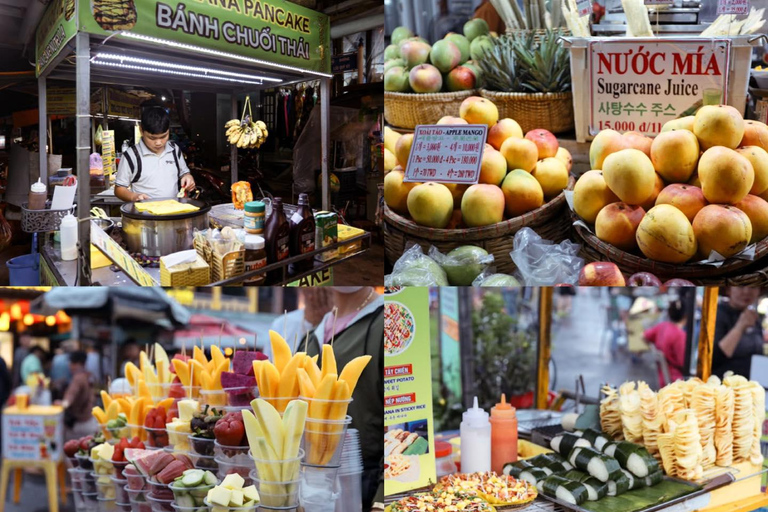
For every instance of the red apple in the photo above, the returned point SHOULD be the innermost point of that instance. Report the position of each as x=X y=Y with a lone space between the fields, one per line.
x=643 y=279
x=601 y=273
x=545 y=141
x=673 y=283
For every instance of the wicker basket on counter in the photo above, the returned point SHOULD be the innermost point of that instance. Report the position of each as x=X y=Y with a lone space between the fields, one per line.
x=223 y=267
x=551 y=111
x=407 y=110
x=550 y=221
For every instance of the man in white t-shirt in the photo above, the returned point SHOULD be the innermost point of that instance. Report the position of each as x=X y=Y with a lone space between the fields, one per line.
x=154 y=168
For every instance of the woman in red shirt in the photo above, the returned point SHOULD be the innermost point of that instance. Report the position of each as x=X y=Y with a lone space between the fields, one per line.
x=670 y=337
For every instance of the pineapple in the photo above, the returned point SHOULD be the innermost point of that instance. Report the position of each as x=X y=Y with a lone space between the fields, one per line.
x=518 y=63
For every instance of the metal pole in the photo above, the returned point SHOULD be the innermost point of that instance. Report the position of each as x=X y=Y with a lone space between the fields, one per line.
x=83 y=148
x=233 y=147
x=466 y=346
x=42 y=121
x=325 y=137
x=707 y=333
x=105 y=102
x=544 y=346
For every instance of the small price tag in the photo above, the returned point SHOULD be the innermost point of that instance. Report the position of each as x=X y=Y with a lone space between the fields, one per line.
x=584 y=7
x=447 y=153
x=732 y=6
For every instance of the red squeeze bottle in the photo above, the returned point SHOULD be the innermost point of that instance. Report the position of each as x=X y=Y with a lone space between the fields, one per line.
x=503 y=435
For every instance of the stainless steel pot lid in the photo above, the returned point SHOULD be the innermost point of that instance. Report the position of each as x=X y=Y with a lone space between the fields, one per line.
x=129 y=210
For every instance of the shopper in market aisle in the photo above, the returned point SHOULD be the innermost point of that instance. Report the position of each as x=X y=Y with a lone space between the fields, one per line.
x=738 y=333
x=5 y=392
x=19 y=354
x=670 y=338
x=155 y=167
x=356 y=328
x=60 y=373
x=33 y=363
x=78 y=400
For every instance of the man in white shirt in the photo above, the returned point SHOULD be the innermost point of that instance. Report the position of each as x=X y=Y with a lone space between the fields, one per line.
x=154 y=168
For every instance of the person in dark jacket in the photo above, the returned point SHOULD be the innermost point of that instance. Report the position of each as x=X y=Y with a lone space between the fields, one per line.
x=356 y=328
x=738 y=333
x=5 y=391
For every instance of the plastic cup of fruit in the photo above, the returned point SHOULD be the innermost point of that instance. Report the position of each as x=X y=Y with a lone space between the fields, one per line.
x=323 y=441
x=119 y=468
x=213 y=397
x=76 y=478
x=179 y=441
x=73 y=462
x=104 y=486
x=219 y=508
x=123 y=507
x=190 y=496
x=159 y=490
x=288 y=469
x=136 y=481
x=107 y=505
x=136 y=431
x=318 y=481
x=101 y=466
x=156 y=437
x=241 y=396
x=79 y=502
x=141 y=506
x=204 y=462
x=136 y=496
x=226 y=468
x=120 y=495
x=84 y=462
x=231 y=454
x=119 y=433
x=159 y=504
x=278 y=494
x=201 y=446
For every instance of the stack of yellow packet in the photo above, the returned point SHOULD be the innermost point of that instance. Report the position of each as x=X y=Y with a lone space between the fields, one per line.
x=167 y=207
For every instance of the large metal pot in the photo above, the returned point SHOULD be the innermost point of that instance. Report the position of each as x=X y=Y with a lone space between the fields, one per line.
x=160 y=235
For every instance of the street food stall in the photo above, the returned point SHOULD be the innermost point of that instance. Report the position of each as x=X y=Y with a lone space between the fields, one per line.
x=204 y=47
x=693 y=445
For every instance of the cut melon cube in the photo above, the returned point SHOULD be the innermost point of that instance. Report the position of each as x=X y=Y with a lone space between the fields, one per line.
x=219 y=496
x=187 y=409
x=250 y=493
x=236 y=500
x=106 y=452
x=233 y=481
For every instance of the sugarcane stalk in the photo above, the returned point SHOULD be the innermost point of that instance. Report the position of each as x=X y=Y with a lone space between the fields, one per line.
x=528 y=16
x=518 y=14
x=543 y=14
x=557 y=18
x=504 y=11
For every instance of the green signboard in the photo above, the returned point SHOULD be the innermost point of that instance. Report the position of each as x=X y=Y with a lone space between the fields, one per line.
x=274 y=31
x=56 y=28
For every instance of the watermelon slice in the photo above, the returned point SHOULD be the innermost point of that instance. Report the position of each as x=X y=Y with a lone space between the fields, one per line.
x=242 y=362
x=146 y=461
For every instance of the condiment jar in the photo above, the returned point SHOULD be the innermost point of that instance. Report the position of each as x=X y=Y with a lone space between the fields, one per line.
x=255 y=258
x=503 y=435
x=475 y=440
x=68 y=231
x=38 y=193
x=444 y=459
x=254 y=217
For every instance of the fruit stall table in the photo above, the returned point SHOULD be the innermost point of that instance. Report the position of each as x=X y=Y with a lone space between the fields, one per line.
x=33 y=437
x=85 y=49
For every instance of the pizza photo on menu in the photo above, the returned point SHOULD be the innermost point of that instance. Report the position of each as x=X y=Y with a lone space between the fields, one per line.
x=399 y=328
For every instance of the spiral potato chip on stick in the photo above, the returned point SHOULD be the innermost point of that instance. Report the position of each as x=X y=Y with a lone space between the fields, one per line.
x=703 y=404
x=666 y=443
x=610 y=414
x=671 y=401
x=724 y=425
x=743 y=417
x=631 y=417
x=687 y=444
x=758 y=408
x=653 y=419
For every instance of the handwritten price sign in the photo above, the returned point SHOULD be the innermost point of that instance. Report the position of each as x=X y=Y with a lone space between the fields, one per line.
x=446 y=153
x=732 y=6
x=32 y=437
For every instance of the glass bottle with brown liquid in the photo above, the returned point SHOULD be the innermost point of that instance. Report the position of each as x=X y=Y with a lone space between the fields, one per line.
x=277 y=234
x=303 y=233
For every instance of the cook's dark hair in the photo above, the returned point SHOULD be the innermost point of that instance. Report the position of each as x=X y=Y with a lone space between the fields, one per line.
x=155 y=120
x=78 y=357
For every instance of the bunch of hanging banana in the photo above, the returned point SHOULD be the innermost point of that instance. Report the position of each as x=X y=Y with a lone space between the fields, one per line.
x=246 y=134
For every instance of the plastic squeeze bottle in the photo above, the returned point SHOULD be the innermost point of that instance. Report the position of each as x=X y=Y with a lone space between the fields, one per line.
x=475 y=440
x=38 y=193
x=503 y=435
x=68 y=231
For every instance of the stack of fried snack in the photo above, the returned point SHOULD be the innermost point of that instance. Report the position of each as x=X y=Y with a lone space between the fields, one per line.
x=689 y=425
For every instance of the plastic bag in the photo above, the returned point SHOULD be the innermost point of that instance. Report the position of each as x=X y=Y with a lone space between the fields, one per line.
x=489 y=277
x=542 y=263
x=414 y=268
x=463 y=264
x=96 y=164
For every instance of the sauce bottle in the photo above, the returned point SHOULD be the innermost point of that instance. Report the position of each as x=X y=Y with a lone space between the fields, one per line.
x=68 y=229
x=503 y=435
x=277 y=234
x=475 y=440
x=303 y=233
x=38 y=193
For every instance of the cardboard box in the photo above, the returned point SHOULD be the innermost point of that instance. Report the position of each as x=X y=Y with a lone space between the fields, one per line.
x=326 y=234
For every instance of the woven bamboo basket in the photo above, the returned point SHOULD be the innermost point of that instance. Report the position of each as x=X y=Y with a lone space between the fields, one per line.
x=732 y=271
x=551 y=111
x=407 y=110
x=221 y=267
x=550 y=221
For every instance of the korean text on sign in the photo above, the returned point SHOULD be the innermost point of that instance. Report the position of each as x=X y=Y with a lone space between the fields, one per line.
x=446 y=154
